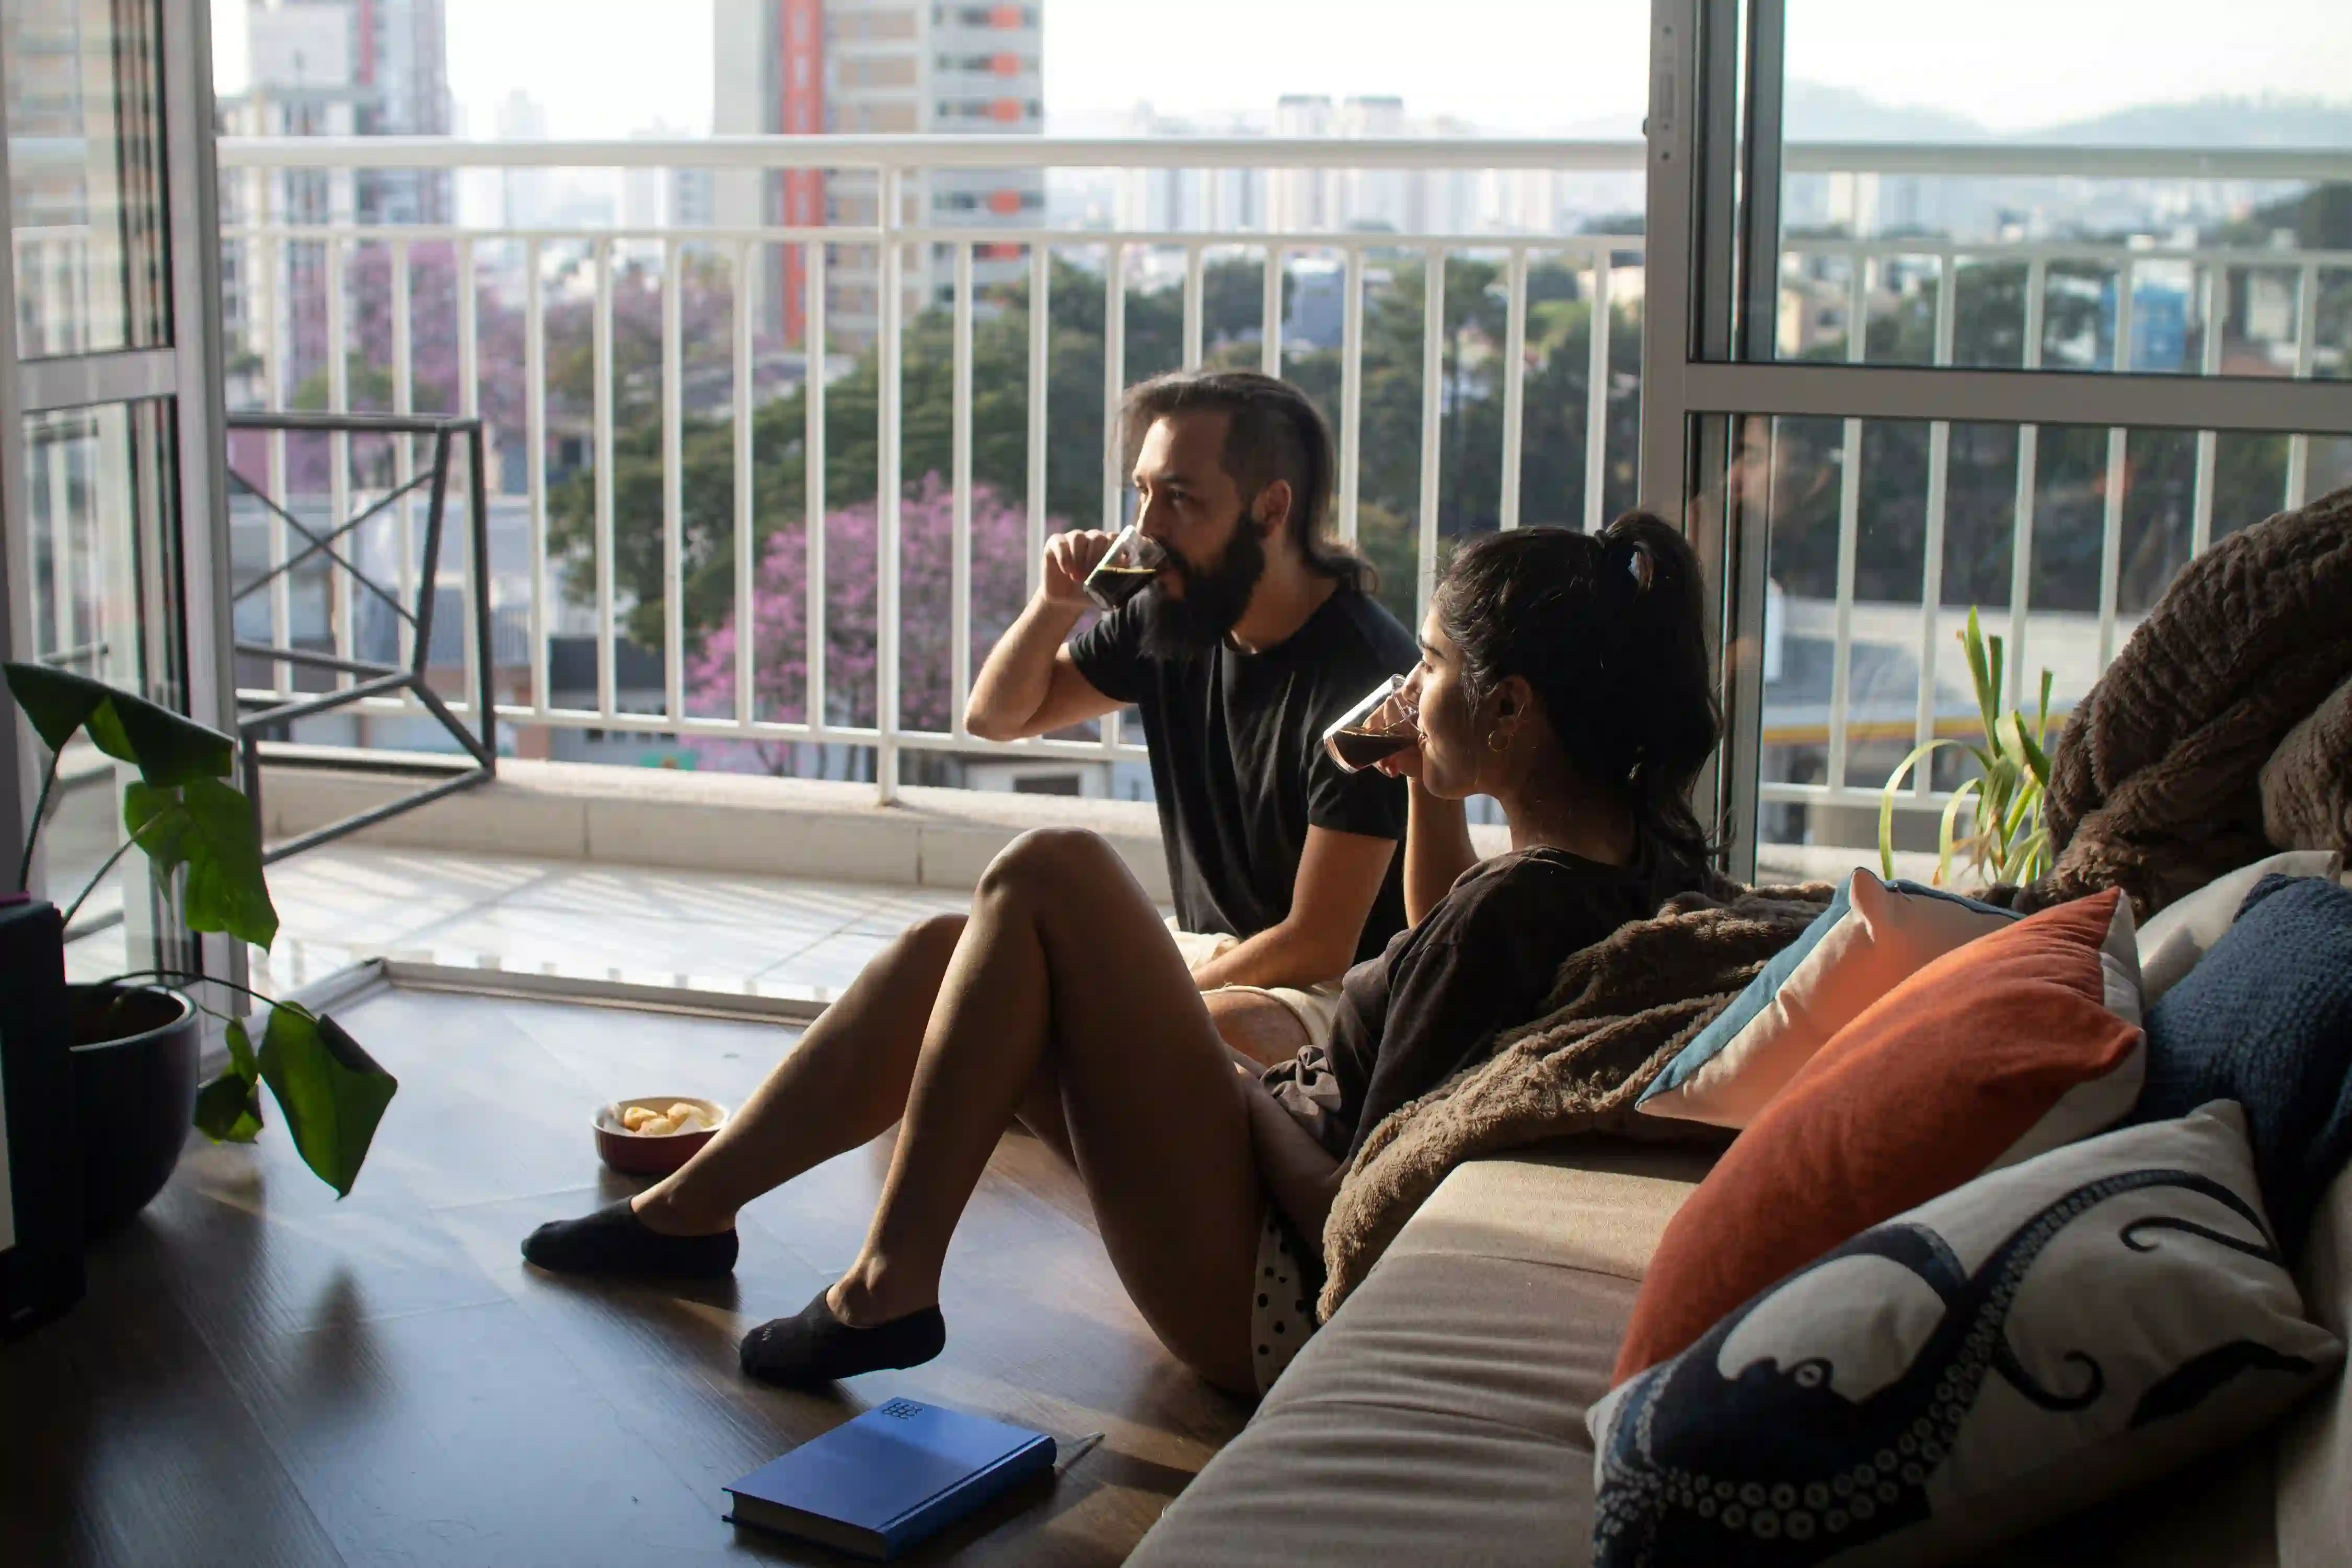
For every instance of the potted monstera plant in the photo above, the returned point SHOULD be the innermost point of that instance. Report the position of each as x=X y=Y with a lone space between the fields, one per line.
x=137 y=1038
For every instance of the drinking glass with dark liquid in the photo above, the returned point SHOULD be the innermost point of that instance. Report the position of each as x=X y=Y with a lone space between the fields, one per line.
x=1132 y=562
x=1378 y=727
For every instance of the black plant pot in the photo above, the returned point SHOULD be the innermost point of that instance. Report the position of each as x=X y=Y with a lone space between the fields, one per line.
x=135 y=1063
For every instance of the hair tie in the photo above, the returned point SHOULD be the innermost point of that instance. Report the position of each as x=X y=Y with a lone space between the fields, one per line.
x=1632 y=559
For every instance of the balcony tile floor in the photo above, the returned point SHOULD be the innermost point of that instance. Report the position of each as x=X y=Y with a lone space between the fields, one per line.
x=345 y=904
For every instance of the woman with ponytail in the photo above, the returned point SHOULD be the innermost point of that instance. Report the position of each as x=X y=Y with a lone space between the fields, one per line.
x=1564 y=674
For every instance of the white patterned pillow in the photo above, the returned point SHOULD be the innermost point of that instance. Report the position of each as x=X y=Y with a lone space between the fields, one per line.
x=2047 y=1335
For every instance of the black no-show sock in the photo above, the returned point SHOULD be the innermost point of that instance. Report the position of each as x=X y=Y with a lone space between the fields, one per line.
x=817 y=1347
x=613 y=1240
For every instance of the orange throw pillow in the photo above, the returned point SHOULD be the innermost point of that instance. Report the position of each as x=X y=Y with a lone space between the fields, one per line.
x=2024 y=1039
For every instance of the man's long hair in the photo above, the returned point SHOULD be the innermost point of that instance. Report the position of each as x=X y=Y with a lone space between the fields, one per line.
x=1274 y=433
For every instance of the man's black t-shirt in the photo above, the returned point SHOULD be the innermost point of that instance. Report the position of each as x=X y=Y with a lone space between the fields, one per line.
x=1237 y=758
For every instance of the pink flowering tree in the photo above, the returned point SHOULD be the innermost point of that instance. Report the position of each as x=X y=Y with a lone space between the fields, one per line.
x=778 y=630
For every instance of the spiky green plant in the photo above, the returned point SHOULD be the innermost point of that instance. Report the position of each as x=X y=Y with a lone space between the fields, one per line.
x=2010 y=840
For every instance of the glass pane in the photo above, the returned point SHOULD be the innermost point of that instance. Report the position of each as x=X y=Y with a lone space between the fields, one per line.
x=1872 y=571
x=2070 y=187
x=102 y=543
x=85 y=175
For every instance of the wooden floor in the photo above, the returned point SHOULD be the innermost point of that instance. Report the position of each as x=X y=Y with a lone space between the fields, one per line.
x=263 y=1375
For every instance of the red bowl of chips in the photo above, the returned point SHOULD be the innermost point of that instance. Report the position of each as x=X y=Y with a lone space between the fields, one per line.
x=653 y=1134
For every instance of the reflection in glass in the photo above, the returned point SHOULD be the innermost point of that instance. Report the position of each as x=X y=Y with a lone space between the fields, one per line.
x=102 y=543
x=1860 y=620
x=86 y=174
x=2106 y=197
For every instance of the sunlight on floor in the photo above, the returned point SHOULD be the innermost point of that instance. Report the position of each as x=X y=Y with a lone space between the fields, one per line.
x=346 y=904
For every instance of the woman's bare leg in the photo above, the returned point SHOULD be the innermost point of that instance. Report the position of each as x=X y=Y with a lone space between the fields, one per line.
x=1066 y=968
x=843 y=1083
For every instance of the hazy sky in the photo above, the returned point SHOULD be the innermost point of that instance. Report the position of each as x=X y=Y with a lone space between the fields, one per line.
x=604 y=67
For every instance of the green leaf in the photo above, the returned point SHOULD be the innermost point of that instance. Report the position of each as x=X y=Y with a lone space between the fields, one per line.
x=228 y=1109
x=331 y=1091
x=1972 y=641
x=157 y=819
x=240 y=1050
x=2034 y=856
x=2028 y=800
x=207 y=825
x=56 y=703
x=2016 y=827
x=2009 y=738
x=2036 y=759
x=1886 y=803
x=167 y=748
x=1944 y=833
x=2008 y=730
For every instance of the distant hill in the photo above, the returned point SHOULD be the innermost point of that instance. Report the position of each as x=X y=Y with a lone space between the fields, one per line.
x=2212 y=122
x=1818 y=113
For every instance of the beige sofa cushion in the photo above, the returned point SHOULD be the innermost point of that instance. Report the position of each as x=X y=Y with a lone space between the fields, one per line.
x=1439 y=1419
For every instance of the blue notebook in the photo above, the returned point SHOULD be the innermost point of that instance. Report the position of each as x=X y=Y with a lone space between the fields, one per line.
x=878 y=1485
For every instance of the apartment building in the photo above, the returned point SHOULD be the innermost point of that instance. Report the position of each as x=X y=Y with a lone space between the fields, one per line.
x=875 y=68
x=332 y=67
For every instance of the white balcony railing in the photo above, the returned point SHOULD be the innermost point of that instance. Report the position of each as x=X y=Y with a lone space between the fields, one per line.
x=897 y=162
x=1874 y=274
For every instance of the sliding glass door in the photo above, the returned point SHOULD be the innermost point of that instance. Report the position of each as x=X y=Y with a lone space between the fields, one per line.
x=109 y=424
x=1949 y=347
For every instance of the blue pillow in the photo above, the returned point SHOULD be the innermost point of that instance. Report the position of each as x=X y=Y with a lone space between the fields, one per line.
x=2265 y=1019
x=1758 y=996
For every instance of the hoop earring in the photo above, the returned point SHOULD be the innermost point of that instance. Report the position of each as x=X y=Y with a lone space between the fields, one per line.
x=1497 y=740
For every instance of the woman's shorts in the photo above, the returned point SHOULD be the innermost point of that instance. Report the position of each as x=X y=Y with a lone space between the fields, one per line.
x=1289 y=1277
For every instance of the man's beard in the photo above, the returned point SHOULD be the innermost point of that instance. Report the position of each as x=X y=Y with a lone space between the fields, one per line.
x=1213 y=600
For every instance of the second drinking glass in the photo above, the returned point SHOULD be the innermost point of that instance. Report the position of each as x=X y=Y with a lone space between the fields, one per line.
x=1384 y=722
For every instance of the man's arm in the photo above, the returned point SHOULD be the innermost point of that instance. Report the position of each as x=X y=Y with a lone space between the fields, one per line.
x=1030 y=685
x=1339 y=876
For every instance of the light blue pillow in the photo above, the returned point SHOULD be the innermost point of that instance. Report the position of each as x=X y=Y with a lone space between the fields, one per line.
x=1874 y=936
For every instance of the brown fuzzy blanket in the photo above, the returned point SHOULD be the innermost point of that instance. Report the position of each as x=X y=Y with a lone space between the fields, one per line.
x=2156 y=786
x=1619 y=1011
x=2308 y=783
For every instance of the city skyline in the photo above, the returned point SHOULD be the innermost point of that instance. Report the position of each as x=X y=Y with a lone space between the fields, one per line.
x=617 y=66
